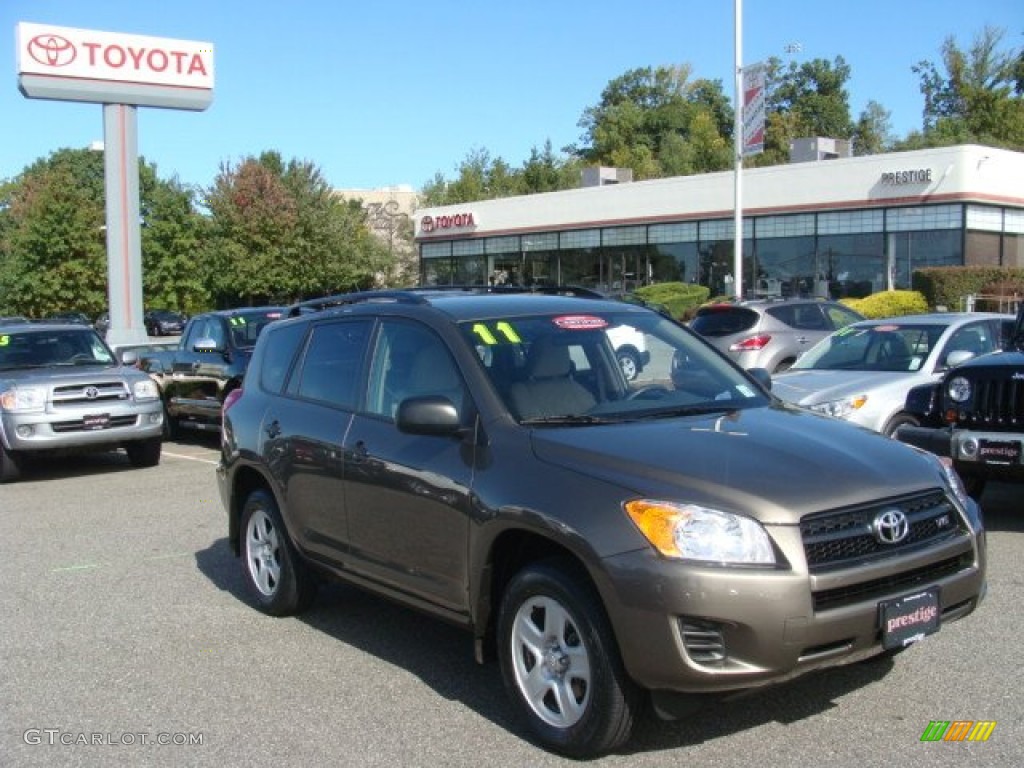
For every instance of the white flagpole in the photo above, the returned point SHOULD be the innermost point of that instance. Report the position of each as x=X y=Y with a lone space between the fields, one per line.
x=738 y=135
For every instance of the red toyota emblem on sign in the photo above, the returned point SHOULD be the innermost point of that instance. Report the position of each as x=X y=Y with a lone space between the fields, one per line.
x=427 y=223
x=52 y=50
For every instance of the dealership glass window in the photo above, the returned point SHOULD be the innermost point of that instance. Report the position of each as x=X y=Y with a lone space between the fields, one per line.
x=581 y=266
x=623 y=236
x=856 y=263
x=541 y=241
x=716 y=264
x=724 y=229
x=930 y=248
x=675 y=262
x=1013 y=221
x=783 y=266
x=685 y=232
x=437 y=272
x=849 y=222
x=924 y=217
x=785 y=226
x=502 y=244
x=467 y=247
x=470 y=270
x=580 y=238
x=983 y=217
x=436 y=250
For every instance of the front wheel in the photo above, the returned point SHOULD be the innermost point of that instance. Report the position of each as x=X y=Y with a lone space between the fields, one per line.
x=897 y=421
x=10 y=465
x=144 y=453
x=560 y=662
x=272 y=569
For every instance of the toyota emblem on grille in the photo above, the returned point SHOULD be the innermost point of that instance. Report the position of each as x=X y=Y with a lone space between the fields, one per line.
x=891 y=526
x=91 y=393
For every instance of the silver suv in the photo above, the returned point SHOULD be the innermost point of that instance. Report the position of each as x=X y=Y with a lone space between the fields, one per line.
x=62 y=389
x=770 y=333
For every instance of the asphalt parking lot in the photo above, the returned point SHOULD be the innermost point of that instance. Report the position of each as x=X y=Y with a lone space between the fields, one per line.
x=128 y=640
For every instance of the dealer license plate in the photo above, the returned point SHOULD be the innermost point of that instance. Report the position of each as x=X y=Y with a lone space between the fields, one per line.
x=908 y=619
x=999 y=451
x=96 y=421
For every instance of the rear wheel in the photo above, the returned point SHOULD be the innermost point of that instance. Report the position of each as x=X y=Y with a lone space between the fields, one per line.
x=273 y=571
x=144 y=453
x=560 y=662
x=10 y=465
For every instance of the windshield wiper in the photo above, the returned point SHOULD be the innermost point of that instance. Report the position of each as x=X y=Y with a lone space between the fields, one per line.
x=575 y=419
x=686 y=410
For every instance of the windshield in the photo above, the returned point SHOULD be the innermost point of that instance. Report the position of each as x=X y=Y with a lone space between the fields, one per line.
x=890 y=347
x=44 y=348
x=606 y=366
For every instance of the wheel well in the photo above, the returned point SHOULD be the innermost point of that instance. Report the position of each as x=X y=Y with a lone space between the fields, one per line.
x=246 y=481
x=510 y=552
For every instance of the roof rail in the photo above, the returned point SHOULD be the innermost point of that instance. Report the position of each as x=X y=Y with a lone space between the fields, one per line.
x=357 y=297
x=418 y=295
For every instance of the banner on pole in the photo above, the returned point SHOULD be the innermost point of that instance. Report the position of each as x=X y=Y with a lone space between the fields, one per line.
x=753 y=108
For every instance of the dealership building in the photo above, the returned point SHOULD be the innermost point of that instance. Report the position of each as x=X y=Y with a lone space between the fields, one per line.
x=845 y=226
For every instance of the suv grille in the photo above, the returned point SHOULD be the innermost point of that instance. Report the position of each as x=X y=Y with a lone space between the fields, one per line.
x=998 y=402
x=90 y=394
x=845 y=537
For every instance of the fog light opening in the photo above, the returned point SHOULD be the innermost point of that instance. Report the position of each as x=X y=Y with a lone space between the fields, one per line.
x=969 y=448
x=25 y=430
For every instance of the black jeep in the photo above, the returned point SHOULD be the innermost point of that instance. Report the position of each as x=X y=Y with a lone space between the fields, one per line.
x=975 y=415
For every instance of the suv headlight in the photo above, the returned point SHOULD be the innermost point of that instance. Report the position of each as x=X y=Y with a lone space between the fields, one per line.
x=145 y=390
x=23 y=399
x=692 y=532
x=841 y=408
x=959 y=389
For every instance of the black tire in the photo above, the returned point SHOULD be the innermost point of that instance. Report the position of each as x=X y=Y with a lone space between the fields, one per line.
x=144 y=453
x=274 y=573
x=629 y=362
x=897 y=421
x=171 y=429
x=554 y=603
x=10 y=465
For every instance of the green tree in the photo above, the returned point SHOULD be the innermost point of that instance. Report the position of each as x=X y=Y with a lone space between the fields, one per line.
x=977 y=97
x=804 y=100
x=872 y=134
x=54 y=254
x=647 y=118
x=279 y=233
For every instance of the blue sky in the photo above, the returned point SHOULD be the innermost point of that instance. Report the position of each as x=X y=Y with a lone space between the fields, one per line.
x=381 y=94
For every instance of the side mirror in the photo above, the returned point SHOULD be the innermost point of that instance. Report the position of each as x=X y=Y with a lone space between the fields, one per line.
x=129 y=357
x=958 y=356
x=430 y=415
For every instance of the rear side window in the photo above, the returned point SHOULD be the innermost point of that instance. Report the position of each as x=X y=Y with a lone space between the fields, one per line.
x=278 y=354
x=331 y=369
x=807 y=317
x=723 y=321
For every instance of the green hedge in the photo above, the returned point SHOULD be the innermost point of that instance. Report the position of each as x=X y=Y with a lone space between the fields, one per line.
x=678 y=297
x=947 y=286
x=889 y=304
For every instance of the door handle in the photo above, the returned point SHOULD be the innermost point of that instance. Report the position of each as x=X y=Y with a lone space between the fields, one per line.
x=359 y=452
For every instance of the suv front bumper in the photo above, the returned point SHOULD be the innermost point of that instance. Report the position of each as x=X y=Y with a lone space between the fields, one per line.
x=711 y=629
x=83 y=428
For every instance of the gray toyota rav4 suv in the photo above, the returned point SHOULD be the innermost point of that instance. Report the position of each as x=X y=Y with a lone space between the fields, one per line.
x=481 y=456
